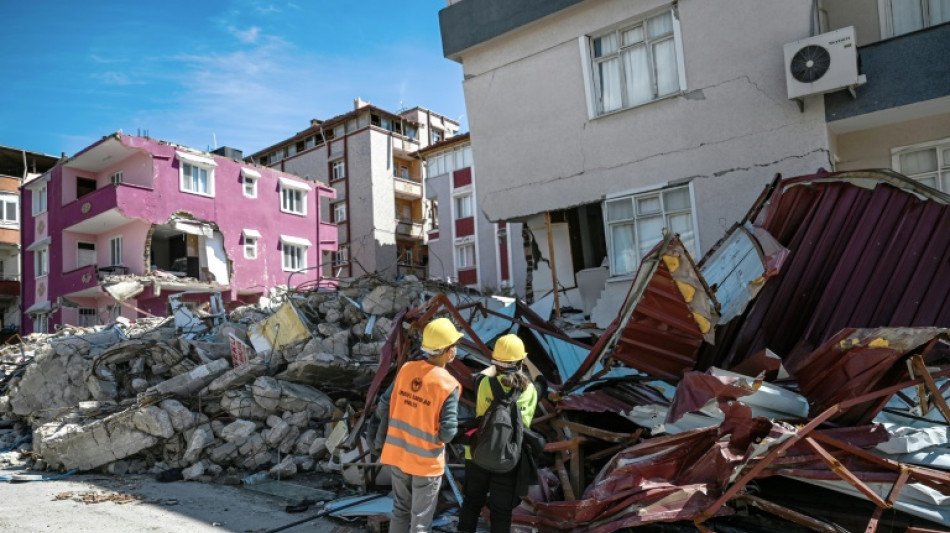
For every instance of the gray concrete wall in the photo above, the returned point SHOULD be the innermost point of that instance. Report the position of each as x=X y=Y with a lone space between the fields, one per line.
x=730 y=133
x=442 y=250
x=378 y=188
x=862 y=14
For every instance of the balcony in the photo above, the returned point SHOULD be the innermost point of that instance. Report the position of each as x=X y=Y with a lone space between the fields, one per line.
x=407 y=189
x=10 y=286
x=409 y=228
x=908 y=78
x=98 y=211
x=405 y=269
x=81 y=280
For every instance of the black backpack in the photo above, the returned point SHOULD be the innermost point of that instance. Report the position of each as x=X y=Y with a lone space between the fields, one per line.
x=498 y=440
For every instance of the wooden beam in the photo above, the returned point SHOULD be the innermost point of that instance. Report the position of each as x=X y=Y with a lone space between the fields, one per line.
x=557 y=300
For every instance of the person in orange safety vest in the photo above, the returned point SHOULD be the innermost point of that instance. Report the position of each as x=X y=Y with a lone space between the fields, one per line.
x=418 y=416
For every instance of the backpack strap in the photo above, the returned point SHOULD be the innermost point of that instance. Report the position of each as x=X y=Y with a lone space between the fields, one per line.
x=496 y=390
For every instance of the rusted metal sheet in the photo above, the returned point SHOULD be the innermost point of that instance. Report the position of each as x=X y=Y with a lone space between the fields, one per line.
x=666 y=316
x=867 y=249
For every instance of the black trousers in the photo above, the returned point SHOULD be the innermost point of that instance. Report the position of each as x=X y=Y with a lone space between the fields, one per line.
x=498 y=490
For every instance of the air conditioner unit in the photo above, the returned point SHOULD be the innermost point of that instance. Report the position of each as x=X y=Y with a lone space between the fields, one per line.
x=822 y=64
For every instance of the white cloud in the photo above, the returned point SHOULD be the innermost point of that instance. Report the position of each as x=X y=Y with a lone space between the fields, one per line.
x=248 y=36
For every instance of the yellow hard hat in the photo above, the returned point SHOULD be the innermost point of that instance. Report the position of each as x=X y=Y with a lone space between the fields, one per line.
x=509 y=348
x=440 y=334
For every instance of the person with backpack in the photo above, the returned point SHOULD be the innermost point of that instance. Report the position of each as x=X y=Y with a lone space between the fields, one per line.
x=418 y=416
x=505 y=400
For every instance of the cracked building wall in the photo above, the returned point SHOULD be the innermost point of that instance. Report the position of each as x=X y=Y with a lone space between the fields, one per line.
x=728 y=133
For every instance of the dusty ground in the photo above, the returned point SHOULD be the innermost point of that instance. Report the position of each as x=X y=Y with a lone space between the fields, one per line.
x=153 y=507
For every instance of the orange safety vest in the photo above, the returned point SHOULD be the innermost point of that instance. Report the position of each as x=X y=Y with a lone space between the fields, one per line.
x=412 y=442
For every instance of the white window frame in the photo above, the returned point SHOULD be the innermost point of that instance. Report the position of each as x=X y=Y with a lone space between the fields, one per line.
x=437 y=135
x=293 y=197
x=40 y=199
x=186 y=180
x=116 y=177
x=87 y=312
x=589 y=62
x=115 y=251
x=79 y=263
x=41 y=323
x=250 y=187
x=342 y=255
x=464 y=252
x=458 y=206
x=943 y=162
x=5 y=200
x=887 y=18
x=250 y=247
x=339 y=212
x=633 y=197
x=337 y=170
x=293 y=257
x=41 y=262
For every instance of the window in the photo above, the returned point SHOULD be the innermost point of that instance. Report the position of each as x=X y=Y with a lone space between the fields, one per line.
x=88 y=317
x=250 y=247
x=85 y=186
x=115 y=251
x=197 y=180
x=436 y=135
x=904 y=16
x=250 y=187
x=39 y=200
x=85 y=254
x=463 y=206
x=291 y=201
x=9 y=209
x=342 y=256
x=635 y=63
x=404 y=172
x=41 y=262
x=465 y=256
x=928 y=164
x=41 y=323
x=635 y=225
x=116 y=177
x=339 y=212
x=295 y=257
x=339 y=170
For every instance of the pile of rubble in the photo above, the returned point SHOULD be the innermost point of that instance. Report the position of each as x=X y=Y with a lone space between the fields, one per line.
x=212 y=395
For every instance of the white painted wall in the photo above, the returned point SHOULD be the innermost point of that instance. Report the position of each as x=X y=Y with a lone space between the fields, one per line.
x=537 y=150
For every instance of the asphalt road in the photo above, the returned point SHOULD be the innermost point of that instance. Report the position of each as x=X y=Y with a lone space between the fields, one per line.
x=180 y=506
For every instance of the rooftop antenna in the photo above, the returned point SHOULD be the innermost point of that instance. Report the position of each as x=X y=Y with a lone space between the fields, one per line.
x=215 y=139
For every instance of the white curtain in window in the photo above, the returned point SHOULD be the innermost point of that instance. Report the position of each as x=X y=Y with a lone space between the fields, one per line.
x=610 y=96
x=907 y=16
x=619 y=210
x=649 y=232
x=664 y=60
x=625 y=257
x=939 y=11
x=637 y=72
x=660 y=25
x=919 y=162
x=683 y=225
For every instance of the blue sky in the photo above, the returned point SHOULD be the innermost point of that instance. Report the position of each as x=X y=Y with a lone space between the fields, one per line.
x=247 y=73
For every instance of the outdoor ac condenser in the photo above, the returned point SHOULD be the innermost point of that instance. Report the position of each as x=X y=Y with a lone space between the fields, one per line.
x=822 y=64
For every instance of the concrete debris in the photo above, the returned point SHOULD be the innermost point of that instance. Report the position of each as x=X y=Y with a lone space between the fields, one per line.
x=171 y=393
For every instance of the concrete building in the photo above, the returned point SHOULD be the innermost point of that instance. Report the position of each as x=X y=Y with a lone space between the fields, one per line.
x=117 y=228
x=16 y=166
x=366 y=157
x=621 y=119
x=464 y=246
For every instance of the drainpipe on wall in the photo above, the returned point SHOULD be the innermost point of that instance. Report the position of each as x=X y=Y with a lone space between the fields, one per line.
x=554 y=283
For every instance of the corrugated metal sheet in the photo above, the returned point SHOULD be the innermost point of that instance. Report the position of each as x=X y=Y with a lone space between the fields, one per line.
x=867 y=249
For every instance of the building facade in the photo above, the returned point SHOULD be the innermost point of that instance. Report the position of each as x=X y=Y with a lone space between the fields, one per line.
x=16 y=166
x=620 y=120
x=366 y=156
x=464 y=246
x=117 y=228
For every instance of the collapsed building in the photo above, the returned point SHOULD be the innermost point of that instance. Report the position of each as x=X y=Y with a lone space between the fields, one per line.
x=809 y=346
x=115 y=229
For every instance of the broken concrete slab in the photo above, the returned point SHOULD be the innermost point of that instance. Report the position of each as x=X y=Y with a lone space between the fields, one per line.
x=89 y=446
x=154 y=421
x=237 y=376
x=192 y=381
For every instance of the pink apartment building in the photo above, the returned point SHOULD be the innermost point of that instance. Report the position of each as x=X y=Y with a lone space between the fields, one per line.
x=123 y=224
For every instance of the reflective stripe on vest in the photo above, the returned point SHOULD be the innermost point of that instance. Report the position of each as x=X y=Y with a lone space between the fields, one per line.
x=412 y=442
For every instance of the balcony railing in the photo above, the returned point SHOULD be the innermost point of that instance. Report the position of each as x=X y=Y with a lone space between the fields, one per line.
x=101 y=201
x=10 y=286
x=404 y=269
x=409 y=228
x=407 y=188
x=80 y=279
